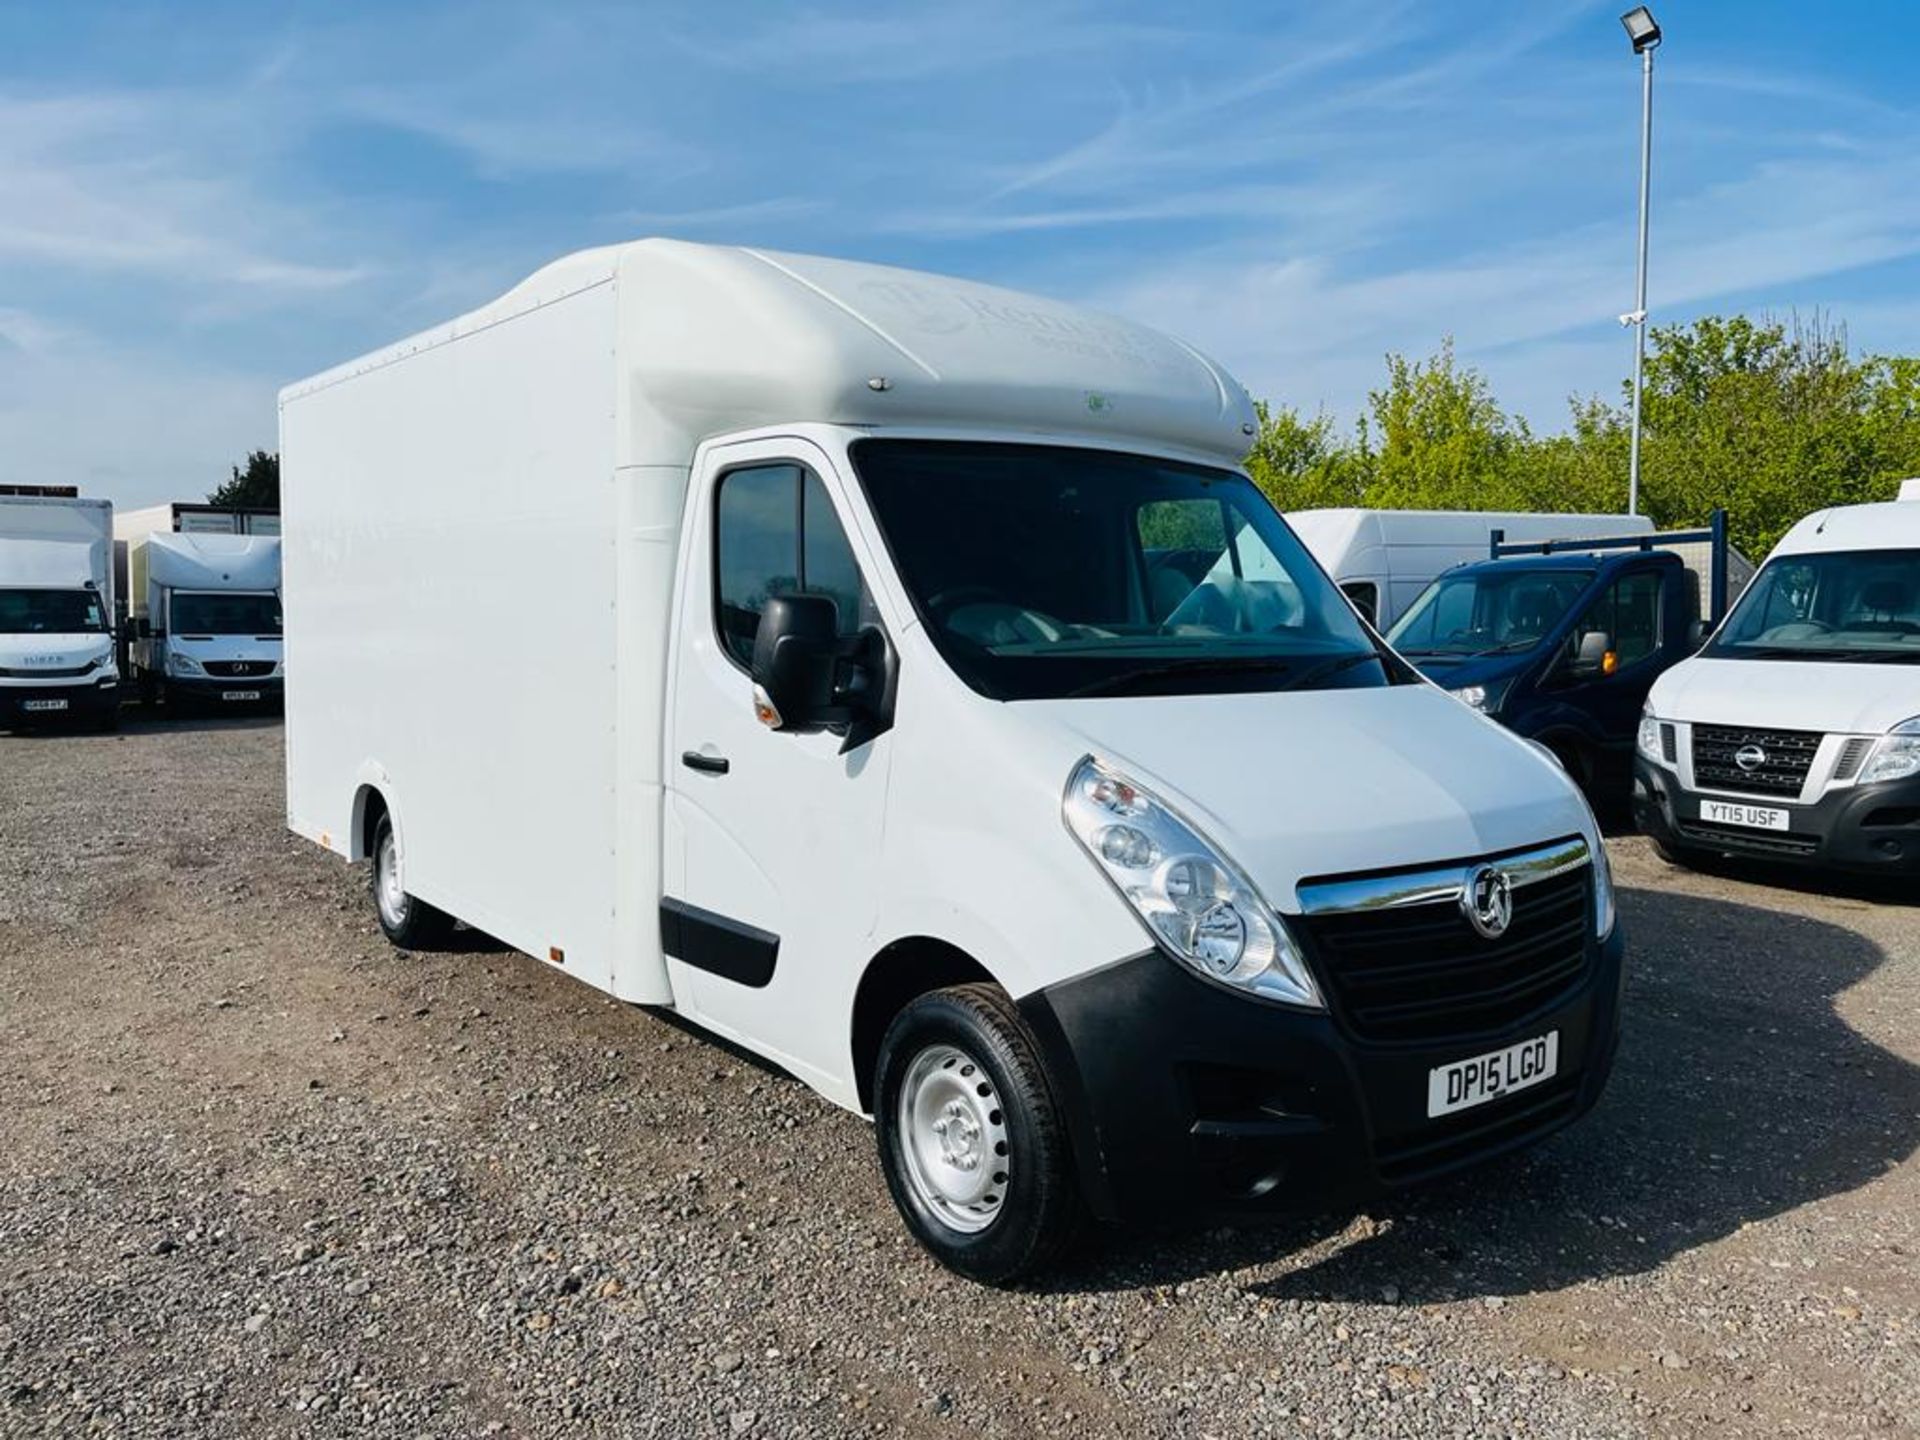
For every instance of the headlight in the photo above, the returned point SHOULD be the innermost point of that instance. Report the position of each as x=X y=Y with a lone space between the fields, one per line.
x=1603 y=908
x=1897 y=756
x=1484 y=698
x=1197 y=905
x=1648 y=741
x=178 y=664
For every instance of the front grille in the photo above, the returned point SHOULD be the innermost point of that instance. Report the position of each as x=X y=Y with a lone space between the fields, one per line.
x=238 y=669
x=1478 y=1134
x=1420 y=973
x=45 y=672
x=1758 y=842
x=1787 y=756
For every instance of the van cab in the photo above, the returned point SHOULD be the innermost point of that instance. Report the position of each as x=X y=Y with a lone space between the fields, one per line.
x=1561 y=648
x=1794 y=736
x=856 y=720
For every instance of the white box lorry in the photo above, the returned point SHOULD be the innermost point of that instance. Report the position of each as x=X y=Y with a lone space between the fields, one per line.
x=56 y=611
x=1384 y=559
x=204 y=618
x=851 y=719
x=1793 y=737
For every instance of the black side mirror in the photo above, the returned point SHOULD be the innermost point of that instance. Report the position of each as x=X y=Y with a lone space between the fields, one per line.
x=1593 y=657
x=142 y=628
x=794 y=657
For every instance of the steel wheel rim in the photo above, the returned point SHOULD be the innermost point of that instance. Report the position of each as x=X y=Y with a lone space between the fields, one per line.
x=388 y=891
x=951 y=1128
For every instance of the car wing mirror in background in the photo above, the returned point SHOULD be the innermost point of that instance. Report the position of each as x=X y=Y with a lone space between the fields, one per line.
x=1594 y=656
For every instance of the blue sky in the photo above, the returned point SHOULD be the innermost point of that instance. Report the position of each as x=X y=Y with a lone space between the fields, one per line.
x=200 y=202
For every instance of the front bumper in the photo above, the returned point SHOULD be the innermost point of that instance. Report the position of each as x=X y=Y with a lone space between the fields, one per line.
x=216 y=690
x=1865 y=829
x=1181 y=1095
x=27 y=704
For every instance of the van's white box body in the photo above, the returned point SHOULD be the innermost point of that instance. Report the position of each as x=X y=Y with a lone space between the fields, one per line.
x=1383 y=559
x=56 y=607
x=511 y=683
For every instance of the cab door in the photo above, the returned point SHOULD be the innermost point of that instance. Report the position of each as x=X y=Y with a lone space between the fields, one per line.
x=1633 y=611
x=772 y=838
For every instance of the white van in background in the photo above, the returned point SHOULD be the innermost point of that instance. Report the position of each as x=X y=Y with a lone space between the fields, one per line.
x=1794 y=735
x=56 y=611
x=204 y=618
x=846 y=722
x=1383 y=559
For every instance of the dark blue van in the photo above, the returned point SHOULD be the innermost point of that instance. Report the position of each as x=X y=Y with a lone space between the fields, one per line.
x=1561 y=648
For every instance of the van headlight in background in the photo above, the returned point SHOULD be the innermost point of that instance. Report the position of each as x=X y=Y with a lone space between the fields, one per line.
x=1897 y=756
x=1195 y=902
x=179 y=664
x=1484 y=698
x=1648 y=740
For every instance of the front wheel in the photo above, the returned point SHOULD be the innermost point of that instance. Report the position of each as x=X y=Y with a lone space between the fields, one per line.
x=971 y=1142
x=406 y=920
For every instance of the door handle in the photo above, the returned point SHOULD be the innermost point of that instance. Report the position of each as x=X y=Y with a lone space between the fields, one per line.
x=705 y=764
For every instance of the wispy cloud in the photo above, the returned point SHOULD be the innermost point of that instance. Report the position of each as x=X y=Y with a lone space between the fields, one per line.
x=1296 y=189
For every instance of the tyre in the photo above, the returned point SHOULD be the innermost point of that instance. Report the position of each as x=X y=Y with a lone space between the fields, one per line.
x=971 y=1142
x=409 y=923
x=109 y=719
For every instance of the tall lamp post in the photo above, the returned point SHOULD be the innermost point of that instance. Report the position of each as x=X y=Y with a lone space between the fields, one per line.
x=1644 y=32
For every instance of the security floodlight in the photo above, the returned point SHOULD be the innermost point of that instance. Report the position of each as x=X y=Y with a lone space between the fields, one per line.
x=1642 y=29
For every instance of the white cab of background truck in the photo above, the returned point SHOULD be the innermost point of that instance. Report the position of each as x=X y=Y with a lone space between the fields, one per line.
x=822 y=679
x=56 y=611
x=1793 y=737
x=204 y=617
x=1384 y=559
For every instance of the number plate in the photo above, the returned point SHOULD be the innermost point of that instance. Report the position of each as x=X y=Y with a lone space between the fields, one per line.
x=43 y=704
x=239 y=694
x=1753 y=817
x=1483 y=1078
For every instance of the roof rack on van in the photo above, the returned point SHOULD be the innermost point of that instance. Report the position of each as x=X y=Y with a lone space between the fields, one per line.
x=1714 y=536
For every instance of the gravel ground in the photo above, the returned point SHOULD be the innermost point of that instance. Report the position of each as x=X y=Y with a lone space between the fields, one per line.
x=263 y=1175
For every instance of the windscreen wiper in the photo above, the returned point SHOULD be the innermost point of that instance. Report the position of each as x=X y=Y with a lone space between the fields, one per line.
x=1333 y=667
x=1199 y=665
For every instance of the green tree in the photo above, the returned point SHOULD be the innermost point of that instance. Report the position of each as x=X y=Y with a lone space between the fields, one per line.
x=256 y=487
x=1770 y=421
x=1442 y=443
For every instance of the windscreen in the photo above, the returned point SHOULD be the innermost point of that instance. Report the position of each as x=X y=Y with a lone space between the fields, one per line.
x=225 y=612
x=1046 y=572
x=50 y=612
x=1861 y=605
x=1487 y=612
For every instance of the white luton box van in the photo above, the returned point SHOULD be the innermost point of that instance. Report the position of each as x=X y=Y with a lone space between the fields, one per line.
x=56 y=611
x=205 y=613
x=787 y=642
x=1794 y=735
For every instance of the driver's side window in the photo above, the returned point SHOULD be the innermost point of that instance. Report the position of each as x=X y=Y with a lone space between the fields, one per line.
x=776 y=533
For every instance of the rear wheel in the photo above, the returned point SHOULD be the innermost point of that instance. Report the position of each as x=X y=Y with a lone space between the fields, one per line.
x=407 y=921
x=971 y=1142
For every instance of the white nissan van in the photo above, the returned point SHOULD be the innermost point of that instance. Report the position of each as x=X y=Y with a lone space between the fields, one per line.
x=899 y=677
x=1794 y=735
